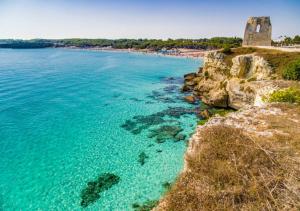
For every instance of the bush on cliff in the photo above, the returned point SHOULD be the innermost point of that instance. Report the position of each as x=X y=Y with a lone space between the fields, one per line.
x=227 y=50
x=292 y=71
x=289 y=95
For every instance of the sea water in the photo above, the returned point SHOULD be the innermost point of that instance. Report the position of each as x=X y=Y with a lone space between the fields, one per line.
x=67 y=116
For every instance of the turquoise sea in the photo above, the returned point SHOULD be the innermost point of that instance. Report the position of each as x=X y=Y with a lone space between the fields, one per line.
x=67 y=116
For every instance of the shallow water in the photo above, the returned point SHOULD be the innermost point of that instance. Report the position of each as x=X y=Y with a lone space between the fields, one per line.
x=62 y=124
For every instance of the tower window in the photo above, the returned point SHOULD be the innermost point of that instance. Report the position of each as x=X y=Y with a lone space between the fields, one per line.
x=258 y=28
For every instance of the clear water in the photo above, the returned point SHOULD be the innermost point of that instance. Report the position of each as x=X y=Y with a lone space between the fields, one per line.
x=60 y=117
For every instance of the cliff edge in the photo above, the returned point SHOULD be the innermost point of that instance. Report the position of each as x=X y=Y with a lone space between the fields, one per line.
x=250 y=158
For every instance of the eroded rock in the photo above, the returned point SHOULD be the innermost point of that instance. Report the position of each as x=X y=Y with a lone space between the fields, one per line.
x=190 y=99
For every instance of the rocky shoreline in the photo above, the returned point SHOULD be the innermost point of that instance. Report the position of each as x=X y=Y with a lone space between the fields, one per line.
x=243 y=86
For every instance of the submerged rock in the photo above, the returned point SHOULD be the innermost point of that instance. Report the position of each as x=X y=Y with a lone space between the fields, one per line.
x=165 y=132
x=146 y=206
x=172 y=80
x=91 y=193
x=140 y=122
x=142 y=158
x=171 y=89
x=164 y=97
x=180 y=137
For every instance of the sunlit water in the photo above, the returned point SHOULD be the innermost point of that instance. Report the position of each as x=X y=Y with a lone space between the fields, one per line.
x=61 y=117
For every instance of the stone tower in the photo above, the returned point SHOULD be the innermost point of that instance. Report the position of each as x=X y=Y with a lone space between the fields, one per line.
x=258 y=32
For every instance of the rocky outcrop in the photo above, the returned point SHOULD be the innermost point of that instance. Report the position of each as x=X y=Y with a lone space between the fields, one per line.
x=235 y=86
x=190 y=99
x=250 y=66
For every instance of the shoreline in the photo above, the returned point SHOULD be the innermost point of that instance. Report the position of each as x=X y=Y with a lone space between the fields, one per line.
x=181 y=53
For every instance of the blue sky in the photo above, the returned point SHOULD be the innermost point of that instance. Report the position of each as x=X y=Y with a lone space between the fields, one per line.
x=142 y=19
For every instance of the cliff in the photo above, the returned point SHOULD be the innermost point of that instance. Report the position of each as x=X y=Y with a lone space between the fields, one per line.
x=244 y=81
x=249 y=159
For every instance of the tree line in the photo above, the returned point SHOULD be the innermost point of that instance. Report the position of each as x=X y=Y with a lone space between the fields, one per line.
x=151 y=44
x=288 y=41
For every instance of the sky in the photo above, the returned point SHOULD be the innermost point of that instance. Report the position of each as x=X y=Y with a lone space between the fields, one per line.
x=158 y=19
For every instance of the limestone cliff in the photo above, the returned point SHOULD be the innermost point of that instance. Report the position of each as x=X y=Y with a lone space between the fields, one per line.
x=243 y=83
x=249 y=159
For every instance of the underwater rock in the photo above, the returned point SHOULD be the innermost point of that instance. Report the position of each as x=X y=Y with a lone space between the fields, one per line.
x=142 y=122
x=91 y=193
x=177 y=112
x=179 y=137
x=171 y=89
x=135 y=99
x=149 y=102
x=158 y=150
x=129 y=125
x=167 y=185
x=161 y=97
x=173 y=80
x=142 y=158
x=116 y=95
x=164 y=133
x=146 y=206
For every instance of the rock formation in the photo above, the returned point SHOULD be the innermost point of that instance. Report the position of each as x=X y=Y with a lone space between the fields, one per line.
x=243 y=83
x=258 y=32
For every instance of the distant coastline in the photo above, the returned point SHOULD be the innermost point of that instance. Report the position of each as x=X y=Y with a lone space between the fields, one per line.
x=182 y=52
x=189 y=48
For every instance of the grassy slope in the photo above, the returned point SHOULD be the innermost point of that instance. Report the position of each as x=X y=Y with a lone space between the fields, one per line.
x=234 y=170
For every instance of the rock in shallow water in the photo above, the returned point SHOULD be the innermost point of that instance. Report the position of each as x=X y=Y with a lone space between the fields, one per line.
x=142 y=158
x=165 y=132
x=91 y=193
x=140 y=122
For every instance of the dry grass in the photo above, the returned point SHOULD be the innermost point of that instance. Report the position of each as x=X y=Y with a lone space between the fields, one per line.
x=234 y=171
x=288 y=135
x=277 y=59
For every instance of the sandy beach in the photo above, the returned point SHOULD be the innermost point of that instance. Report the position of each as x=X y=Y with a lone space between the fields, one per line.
x=181 y=52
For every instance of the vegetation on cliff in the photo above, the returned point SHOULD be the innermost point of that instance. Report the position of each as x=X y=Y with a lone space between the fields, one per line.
x=236 y=169
x=288 y=95
x=292 y=70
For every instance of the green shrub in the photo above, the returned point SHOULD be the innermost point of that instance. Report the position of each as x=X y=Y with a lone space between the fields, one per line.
x=221 y=111
x=227 y=50
x=206 y=74
x=202 y=122
x=289 y=95
x=292 y=71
